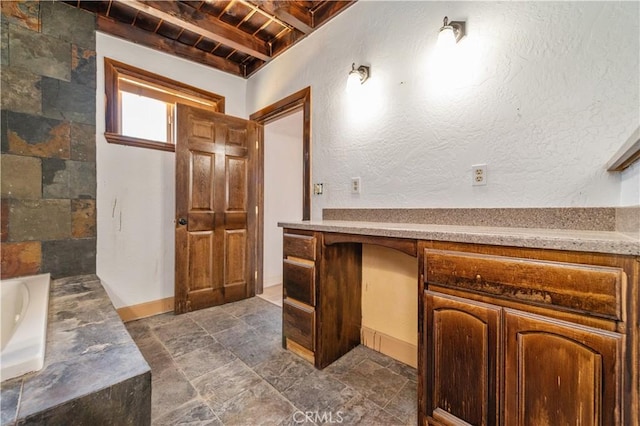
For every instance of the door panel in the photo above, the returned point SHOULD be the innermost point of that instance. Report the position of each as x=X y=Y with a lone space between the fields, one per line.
x=555 y=372
x=236 y=184
x=463 y=346
x=200 y=263
x=202 y=178
x=215 y=208
x=235 y=270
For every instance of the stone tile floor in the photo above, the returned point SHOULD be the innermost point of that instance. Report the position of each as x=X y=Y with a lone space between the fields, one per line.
x=226 y=366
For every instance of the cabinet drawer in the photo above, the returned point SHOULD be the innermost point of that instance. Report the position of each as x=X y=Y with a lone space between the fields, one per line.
x=302 y=246
x=581 y=288
x=299 y=281
x=298 y=324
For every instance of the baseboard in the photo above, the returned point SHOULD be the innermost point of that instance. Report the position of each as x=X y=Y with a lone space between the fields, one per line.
x=271 y=281
x=147 y=309
x=395 y=348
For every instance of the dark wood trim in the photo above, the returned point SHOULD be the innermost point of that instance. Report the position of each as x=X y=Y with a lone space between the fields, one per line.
x=407 y=246
x=163 y=44
x=299 y=100
x=138 y=142
x=113 y=70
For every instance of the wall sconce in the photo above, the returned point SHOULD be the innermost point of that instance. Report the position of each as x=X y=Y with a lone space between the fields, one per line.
x=451 y=33
x=357 y=76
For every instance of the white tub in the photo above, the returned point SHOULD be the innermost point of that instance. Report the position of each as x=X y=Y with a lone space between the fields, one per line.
x=25 y=304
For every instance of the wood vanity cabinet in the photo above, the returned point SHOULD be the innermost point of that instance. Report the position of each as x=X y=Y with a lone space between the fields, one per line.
x=522 y=337
x=321 y=310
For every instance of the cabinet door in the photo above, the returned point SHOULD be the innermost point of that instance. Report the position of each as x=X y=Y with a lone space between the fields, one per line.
x=462 y=348
x=560 y=373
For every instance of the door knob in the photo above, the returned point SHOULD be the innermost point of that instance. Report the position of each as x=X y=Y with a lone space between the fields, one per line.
x=182 y=221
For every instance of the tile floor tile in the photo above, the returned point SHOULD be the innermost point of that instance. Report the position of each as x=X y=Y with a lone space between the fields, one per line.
x=374 y=381
x=194 y=413
x=201 y=361
x=226 y=382
x=362 y=411
x=404 y=405
x=214 y=321
x=170 y=391
x=258 y=405
x=225 y=366
x=283 y=370
x=318 y=392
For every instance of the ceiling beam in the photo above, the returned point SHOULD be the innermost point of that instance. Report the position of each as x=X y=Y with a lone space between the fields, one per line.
x=163 y=44
x=290 y=13
x=186 y=17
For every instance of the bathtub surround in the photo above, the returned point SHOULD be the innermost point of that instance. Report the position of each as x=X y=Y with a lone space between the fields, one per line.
x=85 y=338
x=48 y=139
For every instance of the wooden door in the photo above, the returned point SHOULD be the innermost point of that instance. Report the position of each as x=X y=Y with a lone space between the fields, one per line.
x=462 y=369
x=215 y=208
x=559 y=373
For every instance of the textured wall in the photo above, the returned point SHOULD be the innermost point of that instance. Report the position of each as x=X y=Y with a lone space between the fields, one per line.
x=136 y=186
x=48 y=139
x=545 y=93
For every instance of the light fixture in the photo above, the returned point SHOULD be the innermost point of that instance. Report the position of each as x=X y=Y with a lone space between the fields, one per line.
x=357 y=76
x=451 y=32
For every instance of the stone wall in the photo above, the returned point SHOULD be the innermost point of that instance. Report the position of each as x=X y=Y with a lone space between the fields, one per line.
x=48 y=165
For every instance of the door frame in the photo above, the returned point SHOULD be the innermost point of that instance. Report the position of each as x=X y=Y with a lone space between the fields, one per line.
x=300 y=100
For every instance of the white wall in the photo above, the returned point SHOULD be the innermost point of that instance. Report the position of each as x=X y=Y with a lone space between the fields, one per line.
x=282 y=188
x=136 y=186
x=546 y=93
x=630 y=188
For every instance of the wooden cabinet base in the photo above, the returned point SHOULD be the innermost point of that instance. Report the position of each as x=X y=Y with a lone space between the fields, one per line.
x=299 y=350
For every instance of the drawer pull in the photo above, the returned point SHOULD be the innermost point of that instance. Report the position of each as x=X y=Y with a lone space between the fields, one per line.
x=478 y=277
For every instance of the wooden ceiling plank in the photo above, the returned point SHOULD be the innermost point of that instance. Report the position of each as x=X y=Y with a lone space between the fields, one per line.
x=185 y=16
x=166 y=45
x=265 y=25
x=226 y=9
x=290 y=13
x=328 y=10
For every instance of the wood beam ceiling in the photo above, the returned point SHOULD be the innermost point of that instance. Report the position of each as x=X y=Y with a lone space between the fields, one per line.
x=236 y=36
x=187 y=17
x=166 y=45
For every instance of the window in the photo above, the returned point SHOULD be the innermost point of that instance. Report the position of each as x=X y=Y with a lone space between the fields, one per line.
x=141 y=106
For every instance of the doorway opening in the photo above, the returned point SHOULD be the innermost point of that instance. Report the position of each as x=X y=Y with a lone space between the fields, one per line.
x=284 y=168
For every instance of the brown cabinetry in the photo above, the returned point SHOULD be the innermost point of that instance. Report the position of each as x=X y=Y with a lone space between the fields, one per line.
x=321 y=314
x=560 y=373
x=508 y=340
x=462 y=344
x=506 y=335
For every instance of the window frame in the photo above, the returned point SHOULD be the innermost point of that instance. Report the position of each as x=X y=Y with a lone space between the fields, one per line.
x=163 y=89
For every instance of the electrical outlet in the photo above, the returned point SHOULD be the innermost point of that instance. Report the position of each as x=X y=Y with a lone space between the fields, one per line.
x=318 y=188
x=479 y=174
x=355 y=185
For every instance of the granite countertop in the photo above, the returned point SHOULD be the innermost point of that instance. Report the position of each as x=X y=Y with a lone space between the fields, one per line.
x=88 y=350
x=560 y=239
